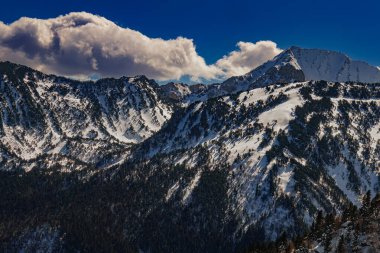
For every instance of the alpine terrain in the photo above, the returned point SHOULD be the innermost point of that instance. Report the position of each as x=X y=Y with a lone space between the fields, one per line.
x=285 y=158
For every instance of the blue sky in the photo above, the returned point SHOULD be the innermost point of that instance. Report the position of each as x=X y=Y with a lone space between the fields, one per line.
x=351 y=27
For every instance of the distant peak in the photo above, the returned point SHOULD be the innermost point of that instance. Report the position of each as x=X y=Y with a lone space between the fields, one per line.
x=315 y=50
x=295 y=48
x=328 y=65
x=140 y=77
x=297 y=64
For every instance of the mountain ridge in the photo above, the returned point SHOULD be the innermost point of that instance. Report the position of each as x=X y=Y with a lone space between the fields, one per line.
x=293 y=65
x=59 y=115
x=149 y=168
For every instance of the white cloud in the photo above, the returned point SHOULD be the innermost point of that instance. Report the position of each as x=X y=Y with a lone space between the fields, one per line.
x=82 y=44
x=249 y=56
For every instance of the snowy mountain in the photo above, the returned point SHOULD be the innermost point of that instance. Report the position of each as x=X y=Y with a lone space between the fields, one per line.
x=44 y=114
x=125 y=165
x=299 y=64
x=286 y=151
x=294 y=65
x=333 y=66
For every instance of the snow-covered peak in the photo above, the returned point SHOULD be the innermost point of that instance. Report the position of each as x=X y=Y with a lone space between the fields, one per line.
x=333 y=66
x=298 y=65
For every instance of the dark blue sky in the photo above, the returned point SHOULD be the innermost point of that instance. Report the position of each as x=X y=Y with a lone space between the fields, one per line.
x=348 y=26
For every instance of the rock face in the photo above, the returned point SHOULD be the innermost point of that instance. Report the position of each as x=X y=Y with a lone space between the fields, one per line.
x=176 y=91
x=124 y=165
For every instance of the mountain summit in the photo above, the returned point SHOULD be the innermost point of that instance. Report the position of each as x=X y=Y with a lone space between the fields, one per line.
x=331 y=66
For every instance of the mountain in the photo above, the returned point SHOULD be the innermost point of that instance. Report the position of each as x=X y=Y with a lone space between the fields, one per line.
x=298 y=64
x=213 y=173
x=44 y=114
x=295 y=65
x=286 y=151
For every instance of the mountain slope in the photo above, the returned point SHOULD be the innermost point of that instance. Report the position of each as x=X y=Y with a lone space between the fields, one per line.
x=333 y=66
x=353 y=230
x=220 y=175
x=42 y=114
x=284 y=151
x=125 y=165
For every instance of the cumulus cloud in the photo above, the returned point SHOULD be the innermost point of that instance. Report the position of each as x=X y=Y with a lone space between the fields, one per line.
x=249 y=56
x=82 y=44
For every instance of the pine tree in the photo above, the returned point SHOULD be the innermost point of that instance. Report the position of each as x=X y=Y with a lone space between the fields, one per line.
x=341 y=247
x=318 y=221
x=327 y=236
x=355 y=243
x=366 y=204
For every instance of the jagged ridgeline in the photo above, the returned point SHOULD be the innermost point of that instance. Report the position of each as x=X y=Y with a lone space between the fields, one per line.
x=126 y=165
x=44 y=115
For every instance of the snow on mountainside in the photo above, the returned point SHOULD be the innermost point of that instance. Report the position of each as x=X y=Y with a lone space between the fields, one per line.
x=189 y=168
x=299 y=64
x=333 y=66
x=43 y=114
x=286 y=151
x=293 y=65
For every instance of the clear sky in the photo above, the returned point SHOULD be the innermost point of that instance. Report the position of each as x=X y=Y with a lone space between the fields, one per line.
x=352 y=27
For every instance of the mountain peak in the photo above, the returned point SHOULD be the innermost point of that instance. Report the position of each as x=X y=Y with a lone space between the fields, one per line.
x=298 y=64
x=333 y=66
